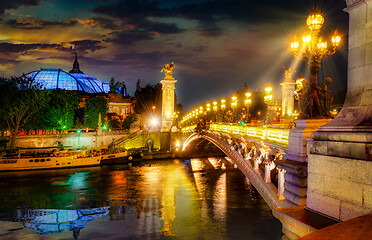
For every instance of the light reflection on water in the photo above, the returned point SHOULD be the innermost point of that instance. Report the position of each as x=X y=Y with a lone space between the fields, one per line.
x=194 y=199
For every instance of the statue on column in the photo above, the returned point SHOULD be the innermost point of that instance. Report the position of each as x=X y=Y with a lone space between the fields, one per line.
x=168 y=70
x=325 y=97
x=300 y=94
x=313 y=97
x=288 y=74
x=138 y=89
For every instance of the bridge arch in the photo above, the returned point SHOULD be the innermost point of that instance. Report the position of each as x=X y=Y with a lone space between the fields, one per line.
x=268 y=193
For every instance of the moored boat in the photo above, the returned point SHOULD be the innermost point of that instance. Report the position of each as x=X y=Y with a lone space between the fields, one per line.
x=48 y=158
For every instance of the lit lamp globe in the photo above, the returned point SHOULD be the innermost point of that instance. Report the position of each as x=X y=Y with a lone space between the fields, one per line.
x=315 y=19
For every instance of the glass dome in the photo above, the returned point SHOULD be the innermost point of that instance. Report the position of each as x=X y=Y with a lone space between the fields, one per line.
x=57 y=78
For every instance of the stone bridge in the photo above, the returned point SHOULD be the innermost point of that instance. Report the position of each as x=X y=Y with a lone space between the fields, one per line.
x=264 y=186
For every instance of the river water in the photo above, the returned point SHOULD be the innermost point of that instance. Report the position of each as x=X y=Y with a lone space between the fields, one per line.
x=166 y=199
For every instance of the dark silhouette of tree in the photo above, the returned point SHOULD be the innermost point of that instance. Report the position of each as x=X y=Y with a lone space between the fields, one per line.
x=146 y=98
x=21 y=98
x=129 y=120
x=94 y=106
x=59 y=113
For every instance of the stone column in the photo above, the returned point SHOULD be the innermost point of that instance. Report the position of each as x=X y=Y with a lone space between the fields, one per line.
x=267 y=173
x=340 y=159
x=281 y=173
x=288 y=87
x=168 y=86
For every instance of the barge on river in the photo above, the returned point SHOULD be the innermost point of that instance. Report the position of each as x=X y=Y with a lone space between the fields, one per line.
x=56 y=157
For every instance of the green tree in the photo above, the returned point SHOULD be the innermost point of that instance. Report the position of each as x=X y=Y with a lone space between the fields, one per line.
x=21 y=98
x=129 y=120
x=94 y=106
x=60 y=110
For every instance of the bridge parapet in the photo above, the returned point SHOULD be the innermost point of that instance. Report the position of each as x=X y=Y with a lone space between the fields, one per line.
x=266 y=189
x=264 y=133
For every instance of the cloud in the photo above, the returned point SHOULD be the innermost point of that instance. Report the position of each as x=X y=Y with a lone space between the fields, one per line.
x=127 y=9
x=14 y=4
x=83 y=46
x=147 y=58
x=19 y=48
x=38 y=24
x=102 y=22
x=88 y=45
x=158 y=27
x=136 y=16
x=128 y=37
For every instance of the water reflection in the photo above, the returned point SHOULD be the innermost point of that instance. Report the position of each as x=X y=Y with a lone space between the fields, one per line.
x=195 y=199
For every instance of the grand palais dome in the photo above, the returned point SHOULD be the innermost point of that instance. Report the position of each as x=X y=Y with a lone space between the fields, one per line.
x=74 y=80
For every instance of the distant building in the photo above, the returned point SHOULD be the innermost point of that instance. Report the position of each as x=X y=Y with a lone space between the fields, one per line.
x=86 y=85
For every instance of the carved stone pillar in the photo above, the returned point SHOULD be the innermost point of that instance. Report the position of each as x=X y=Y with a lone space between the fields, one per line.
x=168 y=86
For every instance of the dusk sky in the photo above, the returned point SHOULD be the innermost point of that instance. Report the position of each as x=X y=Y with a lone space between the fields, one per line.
x=216 y=45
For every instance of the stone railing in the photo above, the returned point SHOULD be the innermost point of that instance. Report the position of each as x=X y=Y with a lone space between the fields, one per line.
x=265 y=133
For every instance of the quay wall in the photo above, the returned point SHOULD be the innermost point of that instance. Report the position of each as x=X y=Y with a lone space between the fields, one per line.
x=75 y=140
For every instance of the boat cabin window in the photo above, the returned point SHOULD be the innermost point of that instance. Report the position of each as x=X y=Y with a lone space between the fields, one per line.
x=31 y=160
x=48 y=159
x=36 y=160
x=42 y=160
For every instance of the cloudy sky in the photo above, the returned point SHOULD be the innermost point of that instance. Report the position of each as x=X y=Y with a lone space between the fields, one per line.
x=217 y=45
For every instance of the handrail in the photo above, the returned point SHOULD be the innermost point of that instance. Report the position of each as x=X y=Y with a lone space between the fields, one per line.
x=125 y=138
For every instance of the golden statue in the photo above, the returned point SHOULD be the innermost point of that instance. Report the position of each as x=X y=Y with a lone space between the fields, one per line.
x=168 y=70
x=288 y=74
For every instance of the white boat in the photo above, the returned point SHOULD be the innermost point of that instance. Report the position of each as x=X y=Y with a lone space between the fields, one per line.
x=47 y=158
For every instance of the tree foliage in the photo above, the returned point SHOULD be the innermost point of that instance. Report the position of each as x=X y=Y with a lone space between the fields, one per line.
x=21 y=98
x=117 y=87
x=148 y=97
x=94 y=106
x=129 y=120
x=60 y=110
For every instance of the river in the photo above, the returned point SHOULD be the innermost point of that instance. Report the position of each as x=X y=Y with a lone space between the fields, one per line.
x=164 y=199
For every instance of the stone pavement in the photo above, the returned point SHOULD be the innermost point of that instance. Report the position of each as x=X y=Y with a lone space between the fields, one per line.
x=359 y=228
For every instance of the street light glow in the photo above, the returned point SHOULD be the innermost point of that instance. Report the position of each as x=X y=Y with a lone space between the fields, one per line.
x=154 y=122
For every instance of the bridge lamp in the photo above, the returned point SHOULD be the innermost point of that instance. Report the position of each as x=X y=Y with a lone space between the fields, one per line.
x=214 y=106
x=154 y=122
x=178 y=144
x=267 y=99
x=208 y=107
x=313 y=47
x=223 y=103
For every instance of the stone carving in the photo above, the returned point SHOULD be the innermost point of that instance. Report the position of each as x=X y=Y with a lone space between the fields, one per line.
x=168 y=70
x=300 y=94
x=325 y=97
x=288 y=74
x=313 y=100
x=313 y=97
x=351 y=2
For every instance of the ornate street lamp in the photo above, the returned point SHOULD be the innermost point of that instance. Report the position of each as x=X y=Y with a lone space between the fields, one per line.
x=247 y=103
x=215 y=110
x=267 y=99
x=234 y=103
x=223 y=106
x=314 y=48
